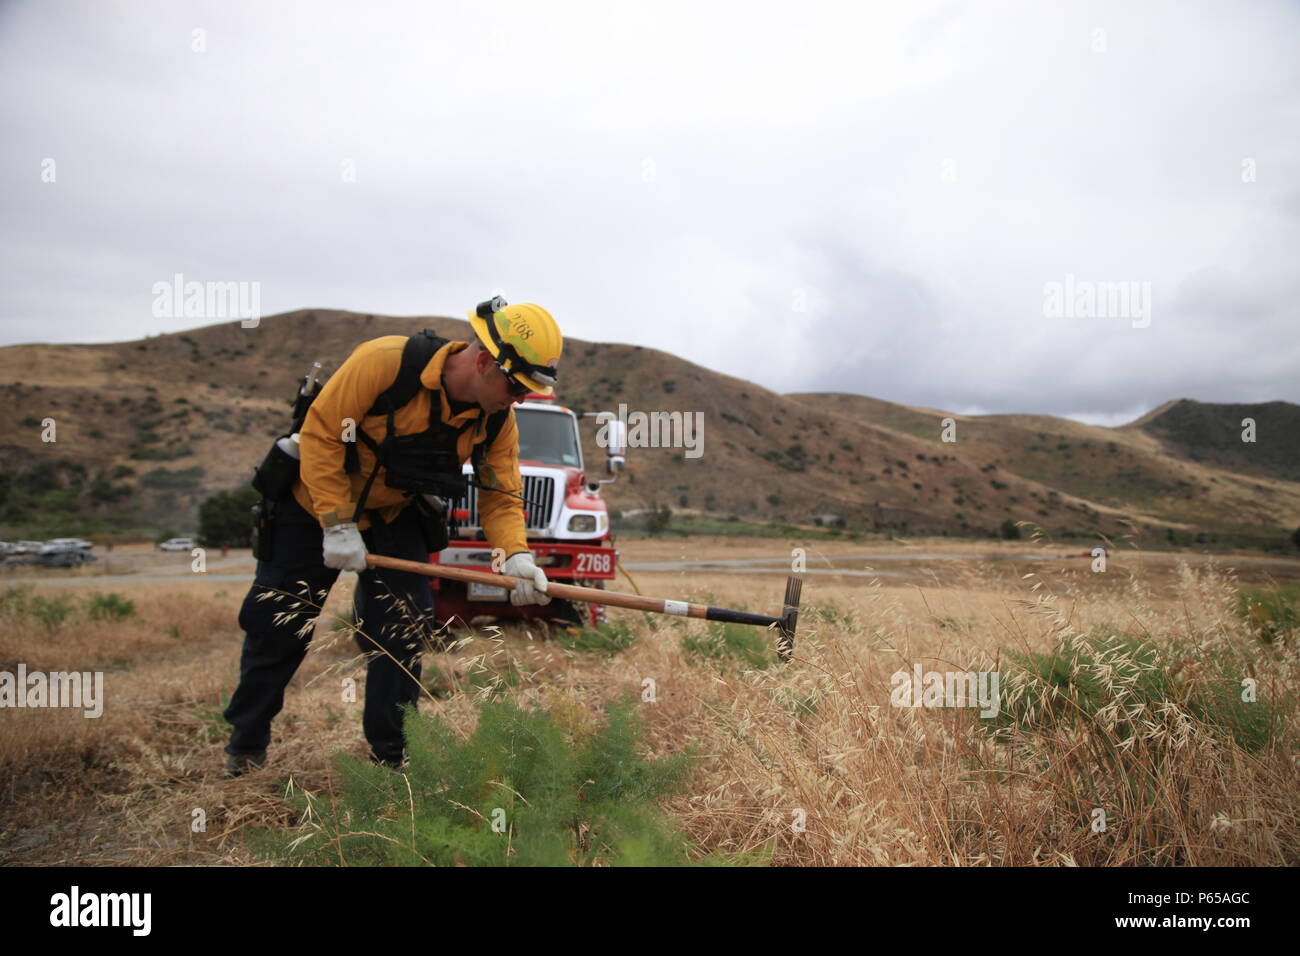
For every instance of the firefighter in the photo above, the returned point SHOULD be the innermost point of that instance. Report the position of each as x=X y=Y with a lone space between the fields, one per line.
x=389 y=430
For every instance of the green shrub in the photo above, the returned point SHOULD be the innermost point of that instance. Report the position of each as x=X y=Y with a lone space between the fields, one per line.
x=225 y=518
x=518 y=792
x=51 y=612
x=166 y=453
x=21 y=604
x=730 y=642
x=657 y=519
x=1138 y=685
x=16 y=600
x=183 y=479
x=109 y=607
x=831 y=615
x=611 y=637
x=1271 y=613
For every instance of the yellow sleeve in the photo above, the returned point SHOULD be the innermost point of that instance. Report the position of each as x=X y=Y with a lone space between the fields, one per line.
x=502 y=516
x=349 y=394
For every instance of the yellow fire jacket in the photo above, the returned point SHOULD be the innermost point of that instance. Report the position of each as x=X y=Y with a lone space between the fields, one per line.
x=326 y=490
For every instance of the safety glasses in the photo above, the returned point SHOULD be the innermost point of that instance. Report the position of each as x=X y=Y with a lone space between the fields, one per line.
x=516 y=389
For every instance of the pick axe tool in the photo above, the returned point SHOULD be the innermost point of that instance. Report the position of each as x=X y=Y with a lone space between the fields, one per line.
x=785 y=623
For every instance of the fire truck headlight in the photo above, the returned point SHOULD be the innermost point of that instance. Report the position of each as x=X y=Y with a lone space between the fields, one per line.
x=582 y=524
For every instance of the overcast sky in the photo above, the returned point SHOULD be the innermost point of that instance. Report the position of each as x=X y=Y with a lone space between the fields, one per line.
x=859 y=197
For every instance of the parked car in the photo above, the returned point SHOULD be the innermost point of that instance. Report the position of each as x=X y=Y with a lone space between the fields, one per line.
x=177 y=544
x=67 y=544
x=63 y=559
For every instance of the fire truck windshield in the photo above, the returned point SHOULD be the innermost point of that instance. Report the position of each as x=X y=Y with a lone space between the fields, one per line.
x=547 y=437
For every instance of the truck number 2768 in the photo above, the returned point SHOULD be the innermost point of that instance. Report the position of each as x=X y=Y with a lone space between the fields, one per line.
x=593 y=562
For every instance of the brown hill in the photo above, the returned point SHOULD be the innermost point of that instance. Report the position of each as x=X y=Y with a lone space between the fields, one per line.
x=147 y=429
x=1217 y=434
x=1128 y=470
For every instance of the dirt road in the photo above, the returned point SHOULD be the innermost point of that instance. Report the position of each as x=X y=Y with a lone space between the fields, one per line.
x=920 y=561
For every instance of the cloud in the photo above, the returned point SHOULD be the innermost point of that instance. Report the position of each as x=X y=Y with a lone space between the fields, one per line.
x=822 y=197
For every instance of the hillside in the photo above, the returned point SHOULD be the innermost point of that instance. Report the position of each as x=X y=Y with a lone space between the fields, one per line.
x=1131 y=469
x=1213 y=433
x=147 y=429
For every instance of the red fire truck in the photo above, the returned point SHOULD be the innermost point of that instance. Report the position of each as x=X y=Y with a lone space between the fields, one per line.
x=566 y=519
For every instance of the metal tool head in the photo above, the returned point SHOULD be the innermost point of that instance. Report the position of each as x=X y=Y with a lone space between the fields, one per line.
x=789 y=618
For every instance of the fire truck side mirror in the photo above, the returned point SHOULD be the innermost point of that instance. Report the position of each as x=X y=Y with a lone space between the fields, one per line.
x=616 y=441
x=614 y=465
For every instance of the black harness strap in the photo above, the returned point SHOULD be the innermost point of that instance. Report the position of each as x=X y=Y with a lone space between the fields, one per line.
x=416 y=354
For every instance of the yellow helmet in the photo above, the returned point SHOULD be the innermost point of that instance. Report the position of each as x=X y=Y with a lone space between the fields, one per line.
x=523 y=338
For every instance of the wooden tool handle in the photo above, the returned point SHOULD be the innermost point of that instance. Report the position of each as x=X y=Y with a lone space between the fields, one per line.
x=569 y=592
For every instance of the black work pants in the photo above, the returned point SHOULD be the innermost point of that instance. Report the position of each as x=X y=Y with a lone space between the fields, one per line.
x=393 y=608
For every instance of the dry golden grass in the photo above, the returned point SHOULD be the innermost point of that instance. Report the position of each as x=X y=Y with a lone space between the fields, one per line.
x=815 y=740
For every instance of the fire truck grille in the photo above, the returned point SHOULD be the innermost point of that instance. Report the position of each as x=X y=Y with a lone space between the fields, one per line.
x=540 y=492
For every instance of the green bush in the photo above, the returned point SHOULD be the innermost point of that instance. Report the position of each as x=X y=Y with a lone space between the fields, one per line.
x=518 y=792
x=51 y=612
x=611 y=637
x=103 y=491
x=183 y=479
x=16 y=600
x=166 y=453
x=730 y=642
x=1043 y=693
x=1272 y=613
x=658 y=519
x=21 y=604
x=109 y=607
x=224 y=518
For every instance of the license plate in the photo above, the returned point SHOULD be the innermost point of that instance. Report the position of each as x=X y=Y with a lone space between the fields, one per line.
x=486 y=592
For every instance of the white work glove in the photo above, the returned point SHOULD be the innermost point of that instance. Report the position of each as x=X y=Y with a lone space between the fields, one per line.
x=531 y=590
x=344 y=548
